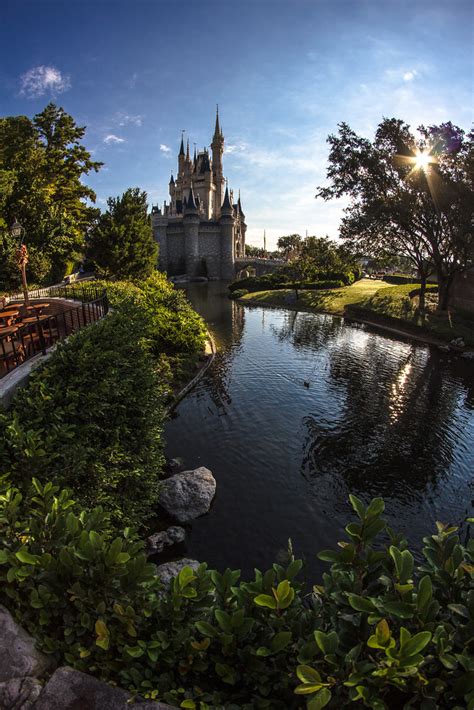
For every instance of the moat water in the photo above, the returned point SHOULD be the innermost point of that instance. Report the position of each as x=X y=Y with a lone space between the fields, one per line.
x=381 y=417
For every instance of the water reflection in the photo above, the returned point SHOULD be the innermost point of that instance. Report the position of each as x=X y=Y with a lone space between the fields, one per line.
x=379 y=417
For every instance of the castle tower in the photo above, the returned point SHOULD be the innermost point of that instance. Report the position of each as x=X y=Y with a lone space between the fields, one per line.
x=191 y=235
x=181 y=158
x=217 y=146
x=226 y=224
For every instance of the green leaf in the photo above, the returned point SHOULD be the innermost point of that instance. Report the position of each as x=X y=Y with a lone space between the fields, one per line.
x=358 y=506
x=382 y=632
x=280 y=641
x=375 y=508
x=361 y=603
x=205 y=628
x=416 y=643
x=265 y=600
x=24 y=556
x=425 y=593
x=327 y=642
x=459 y=609
x=320 y=700
x=3 y=557
x=400 y=609
x=306 y=674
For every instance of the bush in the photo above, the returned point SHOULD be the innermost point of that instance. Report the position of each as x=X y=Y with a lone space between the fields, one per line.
x=238 y=293
x=171 y=325
x=90 y=419
x=376 y=632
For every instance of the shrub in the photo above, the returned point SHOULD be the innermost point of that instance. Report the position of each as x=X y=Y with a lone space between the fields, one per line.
x=90 y=419
x=238 y=293
x=171 y=324
x=376 y=632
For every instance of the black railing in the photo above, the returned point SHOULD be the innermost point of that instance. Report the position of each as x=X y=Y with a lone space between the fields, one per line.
x=86 y=293
x=32 y=335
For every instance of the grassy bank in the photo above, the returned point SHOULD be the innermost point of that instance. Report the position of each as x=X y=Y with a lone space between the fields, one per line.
x=375 y=301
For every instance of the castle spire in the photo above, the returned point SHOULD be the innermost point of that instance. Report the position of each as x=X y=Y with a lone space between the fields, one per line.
x=187 y=150
x=226 y=204
x=191 y=202
x=181 y=150
x=217 y=130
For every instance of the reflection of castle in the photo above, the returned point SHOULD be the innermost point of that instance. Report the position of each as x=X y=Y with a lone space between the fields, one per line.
x=202 y=231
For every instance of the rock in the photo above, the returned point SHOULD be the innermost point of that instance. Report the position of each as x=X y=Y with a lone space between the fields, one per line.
x=468 y=355
x=19 y=693
x=68 y=689
x=187 y=495
x=169 y=570
x=157 y=542
x=18 y=655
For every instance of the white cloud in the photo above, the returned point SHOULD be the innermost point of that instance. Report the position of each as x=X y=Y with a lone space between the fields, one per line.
x=409 y=75
x=113 y=139
x=125 y=119
x=165 y=148
x=41 y=80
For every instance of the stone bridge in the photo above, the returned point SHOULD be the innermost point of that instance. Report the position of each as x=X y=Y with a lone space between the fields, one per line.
x=261 y=266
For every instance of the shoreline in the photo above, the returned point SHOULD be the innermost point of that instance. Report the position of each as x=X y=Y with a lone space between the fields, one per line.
x=193 y=382
x=422 y=337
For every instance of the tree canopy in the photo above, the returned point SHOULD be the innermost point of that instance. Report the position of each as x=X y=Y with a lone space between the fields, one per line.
x=42 y=163
x=410 y=195
x=121 y=245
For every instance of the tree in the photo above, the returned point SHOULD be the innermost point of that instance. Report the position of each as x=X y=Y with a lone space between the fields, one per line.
x=121 y=245
x=46 y=162
x=289 y=245
x=410 y=197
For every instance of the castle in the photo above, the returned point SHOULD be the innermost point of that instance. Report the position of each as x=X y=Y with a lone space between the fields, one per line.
x=201 y=231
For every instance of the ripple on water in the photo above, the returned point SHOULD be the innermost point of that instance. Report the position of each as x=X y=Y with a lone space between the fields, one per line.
x=380 y=417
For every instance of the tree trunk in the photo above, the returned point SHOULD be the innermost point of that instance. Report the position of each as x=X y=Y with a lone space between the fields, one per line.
x=421 y=301
x=444 y=291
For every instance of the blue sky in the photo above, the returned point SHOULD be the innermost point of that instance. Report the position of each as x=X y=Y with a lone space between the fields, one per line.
x=284 y=73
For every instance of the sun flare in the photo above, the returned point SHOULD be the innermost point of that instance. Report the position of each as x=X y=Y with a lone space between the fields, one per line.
x=422 y=160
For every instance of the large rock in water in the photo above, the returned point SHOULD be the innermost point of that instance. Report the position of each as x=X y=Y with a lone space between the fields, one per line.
x=18 y=655
x=187 y=495
x=157 y=542
x=169 y=570
x=68 y=689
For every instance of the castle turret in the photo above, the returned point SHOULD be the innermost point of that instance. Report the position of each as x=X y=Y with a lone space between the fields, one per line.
x=217 y=146
x=226 y=224
x=181 y=157
x=191 y=235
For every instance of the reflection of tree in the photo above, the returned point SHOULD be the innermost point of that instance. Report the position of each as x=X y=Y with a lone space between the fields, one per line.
x=303 y=329
x=225 y=319
x=392 y=434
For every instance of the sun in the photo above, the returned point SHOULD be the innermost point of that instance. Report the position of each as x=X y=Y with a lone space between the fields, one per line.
x=422 y=160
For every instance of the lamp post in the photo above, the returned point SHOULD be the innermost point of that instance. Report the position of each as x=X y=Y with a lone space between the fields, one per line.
x=21 y=257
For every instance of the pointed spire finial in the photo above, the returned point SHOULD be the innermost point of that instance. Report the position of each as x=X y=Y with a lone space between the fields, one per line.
x=181 y=150
x=226 y=204
x=187 y=150
x=217 y=130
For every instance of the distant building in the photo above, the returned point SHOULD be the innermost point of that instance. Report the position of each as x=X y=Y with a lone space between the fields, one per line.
x=202 y=230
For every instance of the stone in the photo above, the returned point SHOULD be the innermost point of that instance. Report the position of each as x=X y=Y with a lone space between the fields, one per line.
x=19 y=693
x=169 y=570
x=157 y=542
x=18 y=655
x=68 y=689
x=187 y=495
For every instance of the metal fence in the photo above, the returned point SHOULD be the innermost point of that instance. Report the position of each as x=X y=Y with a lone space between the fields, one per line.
x=33 y=335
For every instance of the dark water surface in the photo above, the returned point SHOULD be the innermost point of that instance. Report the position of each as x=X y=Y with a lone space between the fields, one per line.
x=381 y=417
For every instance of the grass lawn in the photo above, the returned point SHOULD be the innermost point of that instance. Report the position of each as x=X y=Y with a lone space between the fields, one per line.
x=331 y=301
x=375 y=301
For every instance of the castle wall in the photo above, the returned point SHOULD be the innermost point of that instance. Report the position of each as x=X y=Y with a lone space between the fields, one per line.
x=210 y=248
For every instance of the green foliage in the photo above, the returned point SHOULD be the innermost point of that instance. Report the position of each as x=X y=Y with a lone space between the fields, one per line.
x=379 y=631
x=171 y=325
x=42 y=165
x=90 y=419
x=121 y=245
x=238 y=293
